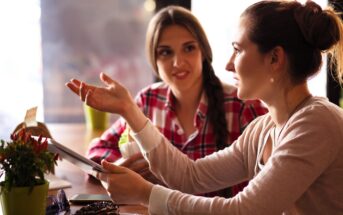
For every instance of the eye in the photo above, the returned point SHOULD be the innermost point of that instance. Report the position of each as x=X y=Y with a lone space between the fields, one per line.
x=190 y=47
x=236 y=50
x=164 y=52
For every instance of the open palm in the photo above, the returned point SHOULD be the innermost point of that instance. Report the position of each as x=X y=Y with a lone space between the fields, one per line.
x=113 y=97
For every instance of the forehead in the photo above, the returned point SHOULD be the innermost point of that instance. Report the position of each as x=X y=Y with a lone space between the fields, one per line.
x=175 y=33
x=241 y=32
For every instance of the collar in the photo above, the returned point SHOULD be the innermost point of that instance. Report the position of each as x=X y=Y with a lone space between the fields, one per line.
x=201 y=110
x=170 y=100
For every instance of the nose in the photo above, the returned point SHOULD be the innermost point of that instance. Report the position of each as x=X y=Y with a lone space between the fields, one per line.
x=230 y=66
x=178 y=60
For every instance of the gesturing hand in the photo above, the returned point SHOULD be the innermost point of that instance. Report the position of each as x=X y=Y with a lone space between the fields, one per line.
x=124 y=185
x=112 y=98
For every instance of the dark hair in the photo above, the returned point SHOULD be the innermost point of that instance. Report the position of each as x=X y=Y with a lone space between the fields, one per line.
x=303 y=31
x=175 y=15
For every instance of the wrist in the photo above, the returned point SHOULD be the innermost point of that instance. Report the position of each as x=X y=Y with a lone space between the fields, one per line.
x=146 y=194
x=134 y=117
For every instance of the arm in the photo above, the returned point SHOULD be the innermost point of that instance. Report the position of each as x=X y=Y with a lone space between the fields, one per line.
x=203 y=175
x=115 y=98
x=302 y=154
x=106 y=147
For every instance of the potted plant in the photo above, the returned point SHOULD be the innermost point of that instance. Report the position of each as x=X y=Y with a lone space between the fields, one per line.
x=23 y=162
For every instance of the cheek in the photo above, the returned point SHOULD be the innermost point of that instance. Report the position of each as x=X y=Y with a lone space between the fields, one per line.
x=162 y=68
x=238 y=65
x=163 y=72
x=197 y=63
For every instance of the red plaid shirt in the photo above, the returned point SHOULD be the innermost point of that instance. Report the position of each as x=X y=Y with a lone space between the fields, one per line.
x=157 y=103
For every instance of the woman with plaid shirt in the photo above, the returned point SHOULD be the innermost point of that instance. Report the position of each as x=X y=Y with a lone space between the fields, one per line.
x=195 y=111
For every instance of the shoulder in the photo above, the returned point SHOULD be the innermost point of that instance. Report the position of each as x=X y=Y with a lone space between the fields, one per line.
x=320 y=119
x=319 y=109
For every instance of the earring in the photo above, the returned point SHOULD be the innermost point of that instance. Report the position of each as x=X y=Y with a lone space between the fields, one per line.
x=271 y=80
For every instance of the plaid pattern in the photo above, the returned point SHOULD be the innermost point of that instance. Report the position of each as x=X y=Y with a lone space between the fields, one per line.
x=157 y=103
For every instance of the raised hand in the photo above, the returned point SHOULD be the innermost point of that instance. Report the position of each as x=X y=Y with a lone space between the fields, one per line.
x=113 y=98
x=120 y=183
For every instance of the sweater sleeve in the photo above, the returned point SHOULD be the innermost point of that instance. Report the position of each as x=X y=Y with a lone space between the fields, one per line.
x=204 y=175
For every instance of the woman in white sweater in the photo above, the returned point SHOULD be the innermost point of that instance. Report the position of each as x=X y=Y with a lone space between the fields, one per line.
x=293 y=156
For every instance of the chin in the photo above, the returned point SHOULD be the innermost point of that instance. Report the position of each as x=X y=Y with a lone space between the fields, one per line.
x=240 y=93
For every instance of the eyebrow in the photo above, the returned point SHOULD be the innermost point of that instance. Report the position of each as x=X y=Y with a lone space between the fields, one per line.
x=162 y=46
x=234 y=43
x=191 y=42
x=185 y=43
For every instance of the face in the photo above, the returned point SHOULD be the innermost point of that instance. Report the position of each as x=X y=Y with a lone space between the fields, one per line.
x=250 y=67
x=179 y=59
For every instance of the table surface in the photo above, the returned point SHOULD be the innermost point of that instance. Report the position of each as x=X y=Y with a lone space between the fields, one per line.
x=77 y=138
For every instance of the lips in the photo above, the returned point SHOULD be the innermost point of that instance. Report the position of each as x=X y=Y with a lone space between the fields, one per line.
x=180 y=74
x=235 y=77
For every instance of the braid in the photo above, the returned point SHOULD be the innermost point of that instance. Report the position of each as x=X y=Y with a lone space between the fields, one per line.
x=215 y=96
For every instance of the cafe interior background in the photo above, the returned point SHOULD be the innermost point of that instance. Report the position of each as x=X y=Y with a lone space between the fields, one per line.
x=45 y=43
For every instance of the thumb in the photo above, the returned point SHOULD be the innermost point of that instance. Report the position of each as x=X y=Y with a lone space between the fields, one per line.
x=112 y=168
x=106 y=79
x=109 y=81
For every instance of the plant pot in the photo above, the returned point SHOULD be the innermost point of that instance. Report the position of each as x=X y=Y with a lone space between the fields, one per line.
x=19 y=200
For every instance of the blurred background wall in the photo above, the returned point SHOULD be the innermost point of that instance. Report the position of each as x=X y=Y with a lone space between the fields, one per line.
x=80 y=39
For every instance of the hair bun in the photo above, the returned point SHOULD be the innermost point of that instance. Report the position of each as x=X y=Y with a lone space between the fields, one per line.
x=317 y=26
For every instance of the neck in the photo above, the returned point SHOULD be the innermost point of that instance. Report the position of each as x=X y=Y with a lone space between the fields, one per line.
x=283 y=105
x=188 y=100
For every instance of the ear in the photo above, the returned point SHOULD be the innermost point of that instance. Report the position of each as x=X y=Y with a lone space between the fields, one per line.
x=277 y=57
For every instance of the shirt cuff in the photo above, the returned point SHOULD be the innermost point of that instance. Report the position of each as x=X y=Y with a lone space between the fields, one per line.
x=158 y=200
x=148 y=138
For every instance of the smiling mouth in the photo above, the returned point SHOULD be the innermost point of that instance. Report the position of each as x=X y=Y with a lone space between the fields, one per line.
x=180 y=75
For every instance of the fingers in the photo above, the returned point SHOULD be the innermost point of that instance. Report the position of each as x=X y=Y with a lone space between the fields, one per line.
x=112 y=168
x=99 y=175
x=140 y=166
x=106 y=79
x=134 y=158
x=82 y=91
x=80 y=88
x=109 y=81
x=73 y=85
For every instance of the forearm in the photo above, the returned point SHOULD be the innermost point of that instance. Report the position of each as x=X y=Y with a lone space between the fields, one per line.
x=134 y=117
x=191 y=177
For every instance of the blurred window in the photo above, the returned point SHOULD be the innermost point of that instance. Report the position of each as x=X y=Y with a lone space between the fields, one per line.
x=82 y=38
x=20 y=62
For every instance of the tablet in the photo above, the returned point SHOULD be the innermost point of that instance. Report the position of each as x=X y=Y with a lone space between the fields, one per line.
x=75 y=158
